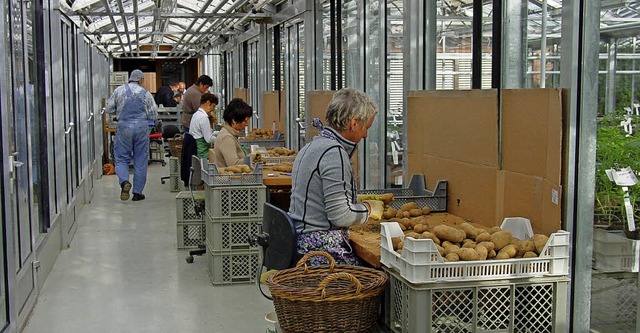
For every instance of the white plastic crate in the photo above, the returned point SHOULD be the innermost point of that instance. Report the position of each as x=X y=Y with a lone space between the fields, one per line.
x=118 y=78
x=536 y=305
x=266 y=143
x=614 y=252
x=211 y=176
x=614 y=302
x=420 y=261
x=232 y=267
x=174 y=166
x=175 y=183
x=416 y=192
x=186 y=206
x=156 y=151
x=235 y=201
x=231 y=234
x=190 y=235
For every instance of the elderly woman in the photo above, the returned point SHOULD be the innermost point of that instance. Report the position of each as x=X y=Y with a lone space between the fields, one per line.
x=201 y=127
x=323 y=194
x=226 y=147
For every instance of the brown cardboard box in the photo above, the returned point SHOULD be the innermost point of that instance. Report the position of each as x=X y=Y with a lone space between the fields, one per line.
x=212 y=155
x=271 y=111
x=471 y=188
x=531 y=197
x=150 y=82
x=532 y=132
x=456 y=124
x=316 y=108
x=242 y=93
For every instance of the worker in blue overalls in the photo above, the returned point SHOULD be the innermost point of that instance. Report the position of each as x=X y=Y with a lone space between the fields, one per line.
x=134 y=107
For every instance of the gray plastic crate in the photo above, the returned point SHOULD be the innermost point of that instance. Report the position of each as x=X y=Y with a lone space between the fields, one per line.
x=211 y=176
x=232 y=267
x=174 y=166
x=231 y=234
x=417 y=192
x=235 y=201
x=190 y=235
x=614 y=302
x=175 y=184
x=185 y=206
x=535 y=305
x=266 y=143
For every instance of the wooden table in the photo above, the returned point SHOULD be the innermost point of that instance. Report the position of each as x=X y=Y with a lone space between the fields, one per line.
x=278 y=188
x=279 y=179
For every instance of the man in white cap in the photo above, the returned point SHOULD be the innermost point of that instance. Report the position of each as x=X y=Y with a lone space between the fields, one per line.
x=134 y=107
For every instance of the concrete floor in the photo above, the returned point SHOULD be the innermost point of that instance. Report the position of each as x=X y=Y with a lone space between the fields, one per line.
x=123 y=273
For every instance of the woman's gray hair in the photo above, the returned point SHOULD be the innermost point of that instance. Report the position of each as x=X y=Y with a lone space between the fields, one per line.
x=347 y=104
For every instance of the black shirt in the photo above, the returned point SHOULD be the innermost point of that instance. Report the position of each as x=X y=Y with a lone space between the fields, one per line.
x=164 y=96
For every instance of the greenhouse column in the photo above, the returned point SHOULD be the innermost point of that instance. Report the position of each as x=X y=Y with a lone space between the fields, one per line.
x=612 y=64
x=514 y=40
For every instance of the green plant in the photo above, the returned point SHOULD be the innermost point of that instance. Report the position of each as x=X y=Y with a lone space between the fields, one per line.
x=614 y=150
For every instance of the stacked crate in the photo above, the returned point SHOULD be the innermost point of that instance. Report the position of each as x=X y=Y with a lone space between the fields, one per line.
x=175 y=184
x=191 y=228
x=233 y=212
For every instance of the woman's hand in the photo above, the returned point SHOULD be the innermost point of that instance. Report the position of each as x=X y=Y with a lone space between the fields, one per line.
x=375 y=208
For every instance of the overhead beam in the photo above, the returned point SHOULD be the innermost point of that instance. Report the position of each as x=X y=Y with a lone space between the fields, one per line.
x=172 y=15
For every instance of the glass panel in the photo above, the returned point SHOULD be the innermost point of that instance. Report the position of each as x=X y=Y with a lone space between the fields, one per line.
x=373 y=163
x=350 y=35
x=326 y=46
x=394 y=96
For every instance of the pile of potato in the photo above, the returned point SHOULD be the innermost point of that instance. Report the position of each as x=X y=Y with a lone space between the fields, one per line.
x=464 y=242
x=233 y=169
x=259 y=133
x=281 y=151
x=283 y=167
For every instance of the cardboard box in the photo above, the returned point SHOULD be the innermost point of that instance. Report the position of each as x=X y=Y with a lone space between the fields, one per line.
x=457 y=124
x=272 y=111
x=150 y=82
x=471 y=188
x=242 y=93
x=532 y=132
x=212 y=155
x=317 y=102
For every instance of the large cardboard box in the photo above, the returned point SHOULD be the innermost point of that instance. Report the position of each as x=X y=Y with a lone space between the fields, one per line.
x=242 y=93
x=532 y=132
x=316 y=108
x=461 y=125
x=272 y=111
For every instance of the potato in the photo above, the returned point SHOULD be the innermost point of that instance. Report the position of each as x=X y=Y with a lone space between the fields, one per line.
x=482 y=252
x=529 y=254
x=433 y=237
x=539 y=240
x=470 y=244
x=446 y=232
x=399 y=214
x=415 y=212
x=234 y=169
x=467 y=254
x=470 y=230
x=389 y=213
x=494 y=229
x=406 y=223
x=488 y=245
x=440 y=249
x=406 y=214
x=413 y=234
x=510 y=249
x=526 y=246
x=420 y=228
x=400 y=245
x=402 y=227
x=501 y=239
x=446 y=243
x=452 y=257
x=409 y=206
x=451 y=249
x=503 y=255
x=244 y=168
x=483 y=237
x=415 y=221
x=491 y=254
x=426 y=210
x=395 y=241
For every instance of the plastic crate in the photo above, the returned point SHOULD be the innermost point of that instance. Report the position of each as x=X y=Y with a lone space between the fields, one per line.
x=174 y=166
x=614 y=252
x=186 y=207
x=231 y=234
x=211 y=176
x=614 y=302
x=277 y=159
x=420 y=261
x=190 y=235
x=235 y=201
x=266 y=143
x=156 y=151
x=175 y=183
x=416 y=192
x=232 y=267
x=118 y=78
x=536 y=305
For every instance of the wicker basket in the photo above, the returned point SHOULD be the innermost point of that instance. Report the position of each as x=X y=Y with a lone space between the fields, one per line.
x=328 y=298
x=175 y=145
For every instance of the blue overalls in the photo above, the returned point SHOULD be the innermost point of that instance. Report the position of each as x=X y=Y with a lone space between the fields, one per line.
x=132 y=140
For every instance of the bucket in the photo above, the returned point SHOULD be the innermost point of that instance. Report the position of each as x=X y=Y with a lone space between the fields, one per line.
x=272 y=322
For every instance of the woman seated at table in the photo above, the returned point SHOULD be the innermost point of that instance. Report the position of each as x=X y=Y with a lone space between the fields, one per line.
x=323 y=193
x=227 y=147
x=201 y=126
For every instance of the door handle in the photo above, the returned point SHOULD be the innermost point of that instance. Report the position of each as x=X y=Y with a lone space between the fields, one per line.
x=255 y=113
x=71 y=124
x=102 y=112
x=90 y=117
